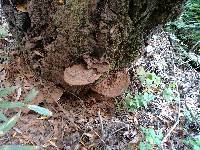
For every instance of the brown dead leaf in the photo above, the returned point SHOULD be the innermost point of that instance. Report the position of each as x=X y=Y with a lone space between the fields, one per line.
x=50 y=94
x=79 y=75
x=136 y=139
x=61 y=2
x=38 y=53
x=22 y=7
x=83 y=148
x=29 y=45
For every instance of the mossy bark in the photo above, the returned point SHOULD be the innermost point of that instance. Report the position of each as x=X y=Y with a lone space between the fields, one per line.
x=54 y=34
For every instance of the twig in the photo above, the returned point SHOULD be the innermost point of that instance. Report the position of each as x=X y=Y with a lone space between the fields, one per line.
x=97 y=135
x=173 y=127
x=193 y=48
x=176 y=123
x=118 y=130
x=79 y=99
x=101 y=123
x=107 y=147
x=62 y=128
x=11 y=3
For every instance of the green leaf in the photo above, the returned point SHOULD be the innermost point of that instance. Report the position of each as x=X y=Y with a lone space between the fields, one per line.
x=8 y=105
x=6 y=126
x=131 y=103
x=196 y=147
x=141 y=71
x=3 y=31
x=145 y=104
x=157 y=81
x=172 y=85
x=157 y=141
x=193 y=142
x=149 y=82
x=138 y=100
x=168 y=94
x=150 y=76
x=144 y=130
x=6 y=91
x=151 y=137
x=40 y=110
x=18 y=147
x=3 y=117
x=160 y=135
x=142 y=146
x=148 y=97
x=32 y=94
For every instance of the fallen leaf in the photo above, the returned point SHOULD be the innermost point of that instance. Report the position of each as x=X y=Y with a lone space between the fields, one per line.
x=22 y=7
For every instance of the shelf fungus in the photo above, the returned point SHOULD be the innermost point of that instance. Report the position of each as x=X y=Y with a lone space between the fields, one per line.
x=114 y=85
x=80 y=75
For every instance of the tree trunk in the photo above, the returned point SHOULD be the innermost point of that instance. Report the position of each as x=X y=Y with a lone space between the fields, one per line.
x=85 y=43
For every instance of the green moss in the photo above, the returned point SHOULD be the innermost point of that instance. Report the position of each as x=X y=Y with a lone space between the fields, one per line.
x=80 y=11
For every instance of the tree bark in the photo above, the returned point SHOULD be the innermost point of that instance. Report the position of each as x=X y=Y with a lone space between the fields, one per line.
x=85 y=42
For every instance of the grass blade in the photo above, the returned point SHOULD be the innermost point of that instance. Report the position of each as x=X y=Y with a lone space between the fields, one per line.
x=40 y=110
x=3 y=117
x=8 y=105
x=18 y=147
x=9 y=124
x=6 y=91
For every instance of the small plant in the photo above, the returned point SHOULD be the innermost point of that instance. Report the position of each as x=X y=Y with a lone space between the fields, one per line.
x=188 y=115
x=148 y=79
x=191 y=114
x=137 y=101
x=8 y=123
x=194 y=143
x=168 y=94
x=151 y=89
x=151 y=139
x=3 y=31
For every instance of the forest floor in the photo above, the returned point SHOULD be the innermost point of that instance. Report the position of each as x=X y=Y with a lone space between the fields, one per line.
x=97 y=122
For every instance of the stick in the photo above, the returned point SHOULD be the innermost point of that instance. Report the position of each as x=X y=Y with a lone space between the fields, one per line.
x=97 y=135
x=193 y=48
x=176 y=123
x=101 y=123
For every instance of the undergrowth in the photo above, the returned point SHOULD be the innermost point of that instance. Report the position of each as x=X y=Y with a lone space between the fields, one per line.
x=151 y=139
x=151 y=84
x=187 y=26
x=153 y=89
x=6 y=124
x=193 y=142
x=186 y=30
